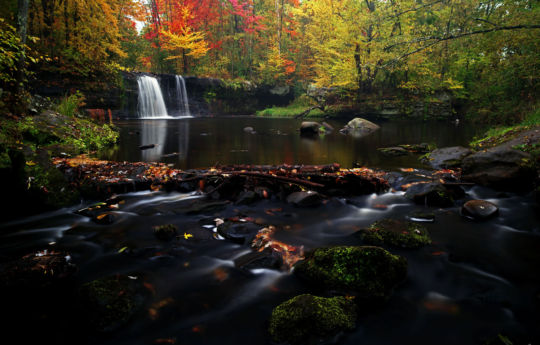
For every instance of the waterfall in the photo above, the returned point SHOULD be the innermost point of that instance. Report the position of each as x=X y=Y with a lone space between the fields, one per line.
x=151 y=102
x=181 y=94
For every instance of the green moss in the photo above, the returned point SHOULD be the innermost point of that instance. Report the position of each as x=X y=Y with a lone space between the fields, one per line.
x=109 y=302
x=366 y=271
x=306 y=319
x=396 y=233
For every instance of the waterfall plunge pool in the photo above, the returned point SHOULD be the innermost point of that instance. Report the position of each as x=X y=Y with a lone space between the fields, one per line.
x=202 y=142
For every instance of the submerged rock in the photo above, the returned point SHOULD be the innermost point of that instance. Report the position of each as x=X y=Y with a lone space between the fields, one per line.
x=368 y=272
x=447 y=157
x=305 y=199
x=501 y=168
x=308 y=319
x=479 y=209
x=396 y=233
x=417 y=148
x=110 y=302
x=433 y=194
x=249 y=130
x=393 y=151
x=238 y=232
x=165 y=232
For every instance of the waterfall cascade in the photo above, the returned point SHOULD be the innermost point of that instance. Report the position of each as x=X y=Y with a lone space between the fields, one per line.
x=181 y=94
x=151 y=103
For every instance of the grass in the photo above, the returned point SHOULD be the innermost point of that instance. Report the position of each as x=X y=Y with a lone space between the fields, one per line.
x=297 y=107
x=499 y=135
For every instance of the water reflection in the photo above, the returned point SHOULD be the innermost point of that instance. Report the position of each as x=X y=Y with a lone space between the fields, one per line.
x=201 y=142
x=163 y=134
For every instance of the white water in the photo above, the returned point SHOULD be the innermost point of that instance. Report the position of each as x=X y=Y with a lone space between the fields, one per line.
x=181 y=93
x=151 y=103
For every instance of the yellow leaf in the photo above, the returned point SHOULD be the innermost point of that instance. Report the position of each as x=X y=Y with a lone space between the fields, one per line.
x=122 y=249
x=187 y=236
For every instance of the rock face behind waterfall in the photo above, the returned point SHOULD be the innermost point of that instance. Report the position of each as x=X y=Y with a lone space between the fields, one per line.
x=208 y=96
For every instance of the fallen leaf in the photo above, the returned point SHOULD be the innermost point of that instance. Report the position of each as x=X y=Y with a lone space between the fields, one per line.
x=187 y=236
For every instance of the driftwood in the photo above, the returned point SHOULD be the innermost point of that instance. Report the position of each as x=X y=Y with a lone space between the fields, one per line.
x=306 y=112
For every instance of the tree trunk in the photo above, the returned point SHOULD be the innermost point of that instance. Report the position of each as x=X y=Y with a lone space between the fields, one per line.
x=22 y=21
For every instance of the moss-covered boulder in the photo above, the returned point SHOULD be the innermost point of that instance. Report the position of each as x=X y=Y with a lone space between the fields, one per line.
x=110 y=302
x=396 y=233
x=307 y=319
x=368 y=272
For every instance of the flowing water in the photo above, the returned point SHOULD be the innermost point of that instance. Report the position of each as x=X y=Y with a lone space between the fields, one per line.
x=151 y=103
x=477 y=279
x=182 y=96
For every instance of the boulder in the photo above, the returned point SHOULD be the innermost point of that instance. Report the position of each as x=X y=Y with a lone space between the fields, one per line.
x=393 y=151
x=368 y=272
x=310 y=128
x=110 y=302
x=500 y=168
x=238 y=232
x=447 y=157
x=479 y=209
x=305 y=199
x=396 y=233
x=433 y=194
x=165 y=232
x=359 y=127
x=308 y=319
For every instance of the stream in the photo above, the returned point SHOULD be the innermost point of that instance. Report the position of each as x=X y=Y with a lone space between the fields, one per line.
x=476 y=279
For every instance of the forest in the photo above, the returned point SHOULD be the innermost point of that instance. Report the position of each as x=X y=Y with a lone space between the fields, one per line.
x=281 y=172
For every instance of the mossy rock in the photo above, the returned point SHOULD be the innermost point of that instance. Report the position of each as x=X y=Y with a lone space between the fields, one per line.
x=110 y=302
x=368 y=272
x=396 y=233
x=308 y=319
x=165 y=232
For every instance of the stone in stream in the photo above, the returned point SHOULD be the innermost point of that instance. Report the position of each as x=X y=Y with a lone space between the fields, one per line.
x=371 y=273
x=110 y=302
x=417 y=148
x=500 y=168
x=396 y=233
x=249 y=130
x=242 y=233
x=36 y=271
x=165 y=232
x=393 y=151
x=422 y=217
x=447 y=157
x=305 y=199
x=359 y=127
x=433 y=194
x=146 y=147
x=479 y=209
x=308 y=319
x=247 y=197
x=259 y=259
x=310 y=128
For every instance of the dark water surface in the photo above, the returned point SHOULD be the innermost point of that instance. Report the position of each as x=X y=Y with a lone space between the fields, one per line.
x=476 y=280
x=203 y=142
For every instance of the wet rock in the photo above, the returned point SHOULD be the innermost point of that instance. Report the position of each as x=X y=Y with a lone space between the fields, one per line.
x=328 y=126
x=359 y=127
x=447 y=157
x=393 y=151
x=305 y=199
x=310 y=128
x=105 y=218
x=500 y=168
x=146 y=147
x=308 y=319
x=479 y=209
x=238 y=232
x=396 y=233
x=433 y=194
x=417 y=148
x=247 y=197
x=249 y=130
x=165 y=232
x=368 y=272
x=110 y=302
x=259 y=259
x=37 y=270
